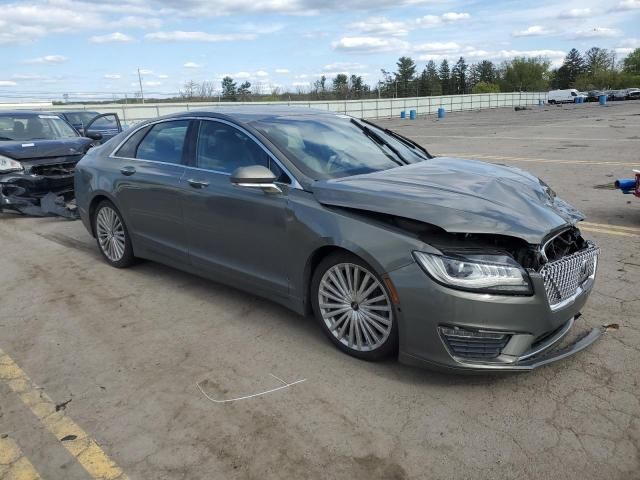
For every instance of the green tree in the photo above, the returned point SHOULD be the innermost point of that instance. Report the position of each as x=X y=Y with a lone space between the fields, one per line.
x=405 y=76
x=459 y=76
x=356 y=86
x=597 y=59
x=572 y=66
x=486 y=71
x=445 y=77
x=527 y=74
x=229 y=88
x=320 y=86
x=485 y=87
x=245 y=90
x=429 y=80
x=631 y=64
x=341 y=86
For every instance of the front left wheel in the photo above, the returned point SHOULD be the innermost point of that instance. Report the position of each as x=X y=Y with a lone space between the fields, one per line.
x=112 y=235
x=354 y=308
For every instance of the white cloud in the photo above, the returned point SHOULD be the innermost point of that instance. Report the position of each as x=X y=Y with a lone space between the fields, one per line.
x=163 y=76
x=532 y=31
x=446 y=18
x=301 y=84
x=25 y=23
x=626 y=46
x=181 y=36
x=437 y=47
x=144 y=71
x=192 y=65
x=455 y=17
x=625 y=5
x=370 y=45
x=596 y=32
x=576 y=13
x=379 y=26
x=7 y=83
x=151 y=83
x=281 y=70
x=47 y=59
x=343 y=66
x=111 y=76
x=261 y=74
x=115 y=37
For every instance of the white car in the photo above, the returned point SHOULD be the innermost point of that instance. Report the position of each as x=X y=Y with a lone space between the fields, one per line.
x=568 y=95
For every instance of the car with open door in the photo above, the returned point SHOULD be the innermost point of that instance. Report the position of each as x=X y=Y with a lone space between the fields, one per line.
x=447 y=262
x=86 y=122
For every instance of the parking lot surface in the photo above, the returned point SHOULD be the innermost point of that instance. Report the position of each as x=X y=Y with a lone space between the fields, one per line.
x=108 y=373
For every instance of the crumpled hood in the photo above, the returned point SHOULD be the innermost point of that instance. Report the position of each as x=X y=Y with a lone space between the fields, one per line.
x=457 y=195
x=34 y=149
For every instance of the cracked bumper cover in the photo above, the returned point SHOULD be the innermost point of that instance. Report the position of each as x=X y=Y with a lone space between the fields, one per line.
x=36 y=194
x=425 y=306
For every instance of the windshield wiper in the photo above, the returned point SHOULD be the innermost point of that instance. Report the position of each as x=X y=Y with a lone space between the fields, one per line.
x=401 y=138
x=379 y=140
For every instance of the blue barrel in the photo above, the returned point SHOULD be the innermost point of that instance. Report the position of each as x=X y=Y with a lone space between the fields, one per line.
x=441 y=112
x=412 y=114
x=403 y=114
x=603 y=99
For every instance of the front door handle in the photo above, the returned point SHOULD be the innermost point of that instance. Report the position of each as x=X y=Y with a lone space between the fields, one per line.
x=198 y=183
x=128 y=171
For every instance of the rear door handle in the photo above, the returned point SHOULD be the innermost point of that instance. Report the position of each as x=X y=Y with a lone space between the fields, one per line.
x=198 y=183
x=128 y=171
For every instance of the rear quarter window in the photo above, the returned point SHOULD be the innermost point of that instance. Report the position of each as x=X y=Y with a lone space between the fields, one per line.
x=129 y=148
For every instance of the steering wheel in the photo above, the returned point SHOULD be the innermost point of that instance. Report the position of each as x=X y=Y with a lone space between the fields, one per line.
x=332 y=163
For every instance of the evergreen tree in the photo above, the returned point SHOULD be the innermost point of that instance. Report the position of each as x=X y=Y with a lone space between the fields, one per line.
x=572 y=66
x=459 y=76
x=341 y=86
x=445 y=77
x=245 y=90
x=405 y=76
x=229 y=88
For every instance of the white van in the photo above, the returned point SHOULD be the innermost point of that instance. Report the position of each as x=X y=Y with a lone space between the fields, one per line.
x=563 y=96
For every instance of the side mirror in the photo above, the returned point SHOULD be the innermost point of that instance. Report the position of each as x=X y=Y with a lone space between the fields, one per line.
x=255 y=176
x=97 y=136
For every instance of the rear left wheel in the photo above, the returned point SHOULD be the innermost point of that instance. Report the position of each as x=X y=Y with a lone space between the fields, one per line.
x=354 y=308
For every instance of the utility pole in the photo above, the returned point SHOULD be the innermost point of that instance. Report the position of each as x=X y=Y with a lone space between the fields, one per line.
x=140 y=82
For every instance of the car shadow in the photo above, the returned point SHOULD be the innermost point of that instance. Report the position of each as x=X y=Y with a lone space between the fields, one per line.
x=306 y=326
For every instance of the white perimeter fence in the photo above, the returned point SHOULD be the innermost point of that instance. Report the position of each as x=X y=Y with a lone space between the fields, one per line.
x=371 y=109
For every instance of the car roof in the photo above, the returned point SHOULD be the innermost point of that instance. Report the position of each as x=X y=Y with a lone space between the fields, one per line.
x=251 y=113
x=24 y=113
x=93 y=112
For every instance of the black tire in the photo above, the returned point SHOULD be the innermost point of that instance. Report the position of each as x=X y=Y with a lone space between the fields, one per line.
x=124 y=258
x=370 y=351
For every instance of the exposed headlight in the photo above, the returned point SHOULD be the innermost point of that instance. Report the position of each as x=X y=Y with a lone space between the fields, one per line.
x=9 y=165
x=481 y=273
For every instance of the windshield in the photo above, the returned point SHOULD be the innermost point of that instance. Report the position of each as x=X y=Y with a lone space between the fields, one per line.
x=335 y=146
x=80 y=118
x=34 y=127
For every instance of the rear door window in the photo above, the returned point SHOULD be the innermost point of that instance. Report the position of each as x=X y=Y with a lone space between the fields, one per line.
x=164 y=142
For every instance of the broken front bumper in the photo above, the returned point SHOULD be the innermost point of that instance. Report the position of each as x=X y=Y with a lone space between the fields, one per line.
x=37 y=194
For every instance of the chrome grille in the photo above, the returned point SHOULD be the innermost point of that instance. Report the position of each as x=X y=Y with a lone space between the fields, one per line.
x=563 y=277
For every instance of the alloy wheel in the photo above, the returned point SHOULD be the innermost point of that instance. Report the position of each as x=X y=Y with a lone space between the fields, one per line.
x=111 y=234
x=355 y=307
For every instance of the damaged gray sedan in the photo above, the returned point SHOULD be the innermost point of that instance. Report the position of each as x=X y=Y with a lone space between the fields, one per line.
x=38 y=154
x=447 y=262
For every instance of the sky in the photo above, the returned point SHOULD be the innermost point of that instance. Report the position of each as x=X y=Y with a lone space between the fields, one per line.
x=78 y=47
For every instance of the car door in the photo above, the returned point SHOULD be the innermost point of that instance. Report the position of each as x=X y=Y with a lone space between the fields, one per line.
x=107 y=125
x=149 y=192
x=234 y=233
